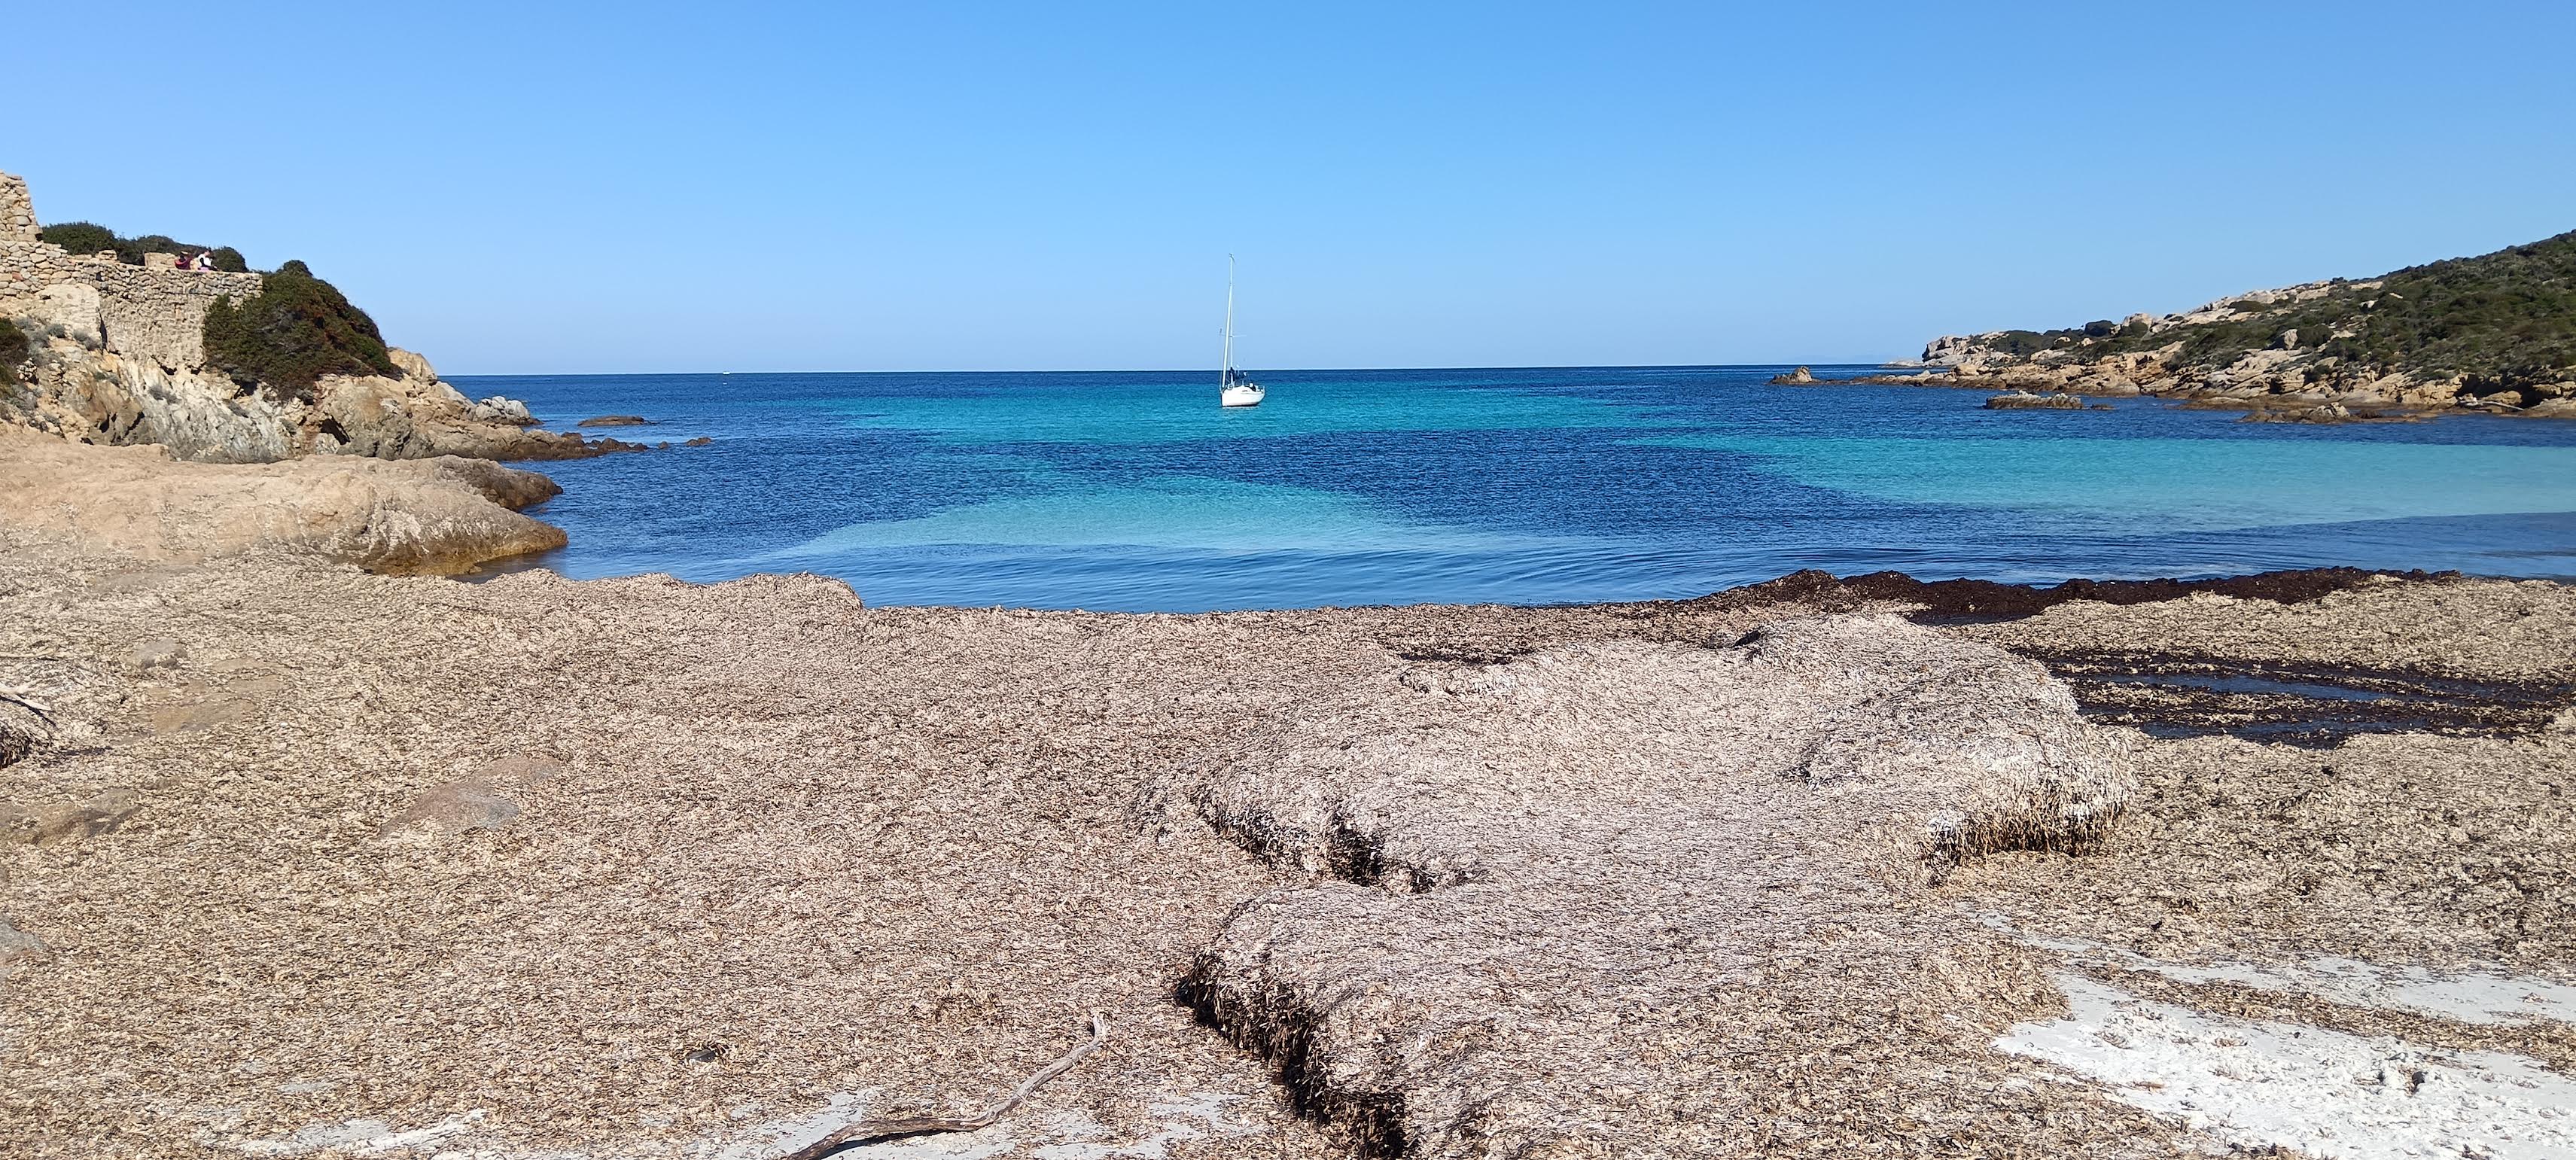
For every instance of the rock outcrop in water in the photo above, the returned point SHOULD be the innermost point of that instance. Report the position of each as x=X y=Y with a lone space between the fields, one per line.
x=2026 y=401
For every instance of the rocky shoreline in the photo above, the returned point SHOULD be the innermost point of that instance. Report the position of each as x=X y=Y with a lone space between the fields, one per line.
x=2487 y=335
x=2493 y=334
x=310 y=860
x=2015 y=386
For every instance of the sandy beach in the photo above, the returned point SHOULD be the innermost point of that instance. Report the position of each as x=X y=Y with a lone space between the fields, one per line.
x=310 y=860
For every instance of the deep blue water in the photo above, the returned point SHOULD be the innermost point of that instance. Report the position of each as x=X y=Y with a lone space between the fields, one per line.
x=1133 y=491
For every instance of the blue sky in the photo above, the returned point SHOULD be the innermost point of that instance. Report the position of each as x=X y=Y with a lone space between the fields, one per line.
x=637 y=187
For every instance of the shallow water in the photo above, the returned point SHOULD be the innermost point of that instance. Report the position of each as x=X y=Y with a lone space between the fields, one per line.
x=1133 y=491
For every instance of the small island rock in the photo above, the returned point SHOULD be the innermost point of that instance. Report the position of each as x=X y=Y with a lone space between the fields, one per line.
x=2026 y=401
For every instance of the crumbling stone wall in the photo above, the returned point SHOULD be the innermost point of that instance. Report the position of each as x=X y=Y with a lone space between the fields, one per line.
x=17 y=210
x=138 y=312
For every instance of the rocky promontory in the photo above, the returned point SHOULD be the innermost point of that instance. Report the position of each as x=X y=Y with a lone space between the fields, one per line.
x=2494 y=333
x=103 y=350
x=185 y=409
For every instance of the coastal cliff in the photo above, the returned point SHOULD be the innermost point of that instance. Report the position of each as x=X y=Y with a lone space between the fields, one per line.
x=115 y=352
x=2493 y=333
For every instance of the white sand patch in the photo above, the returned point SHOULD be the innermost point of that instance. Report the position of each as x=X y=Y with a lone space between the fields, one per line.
x=1076 y=1135
x=2467 y=996
x=362 y=1136
x=841 y=1109
x=2325 y=1093
x=1197 y=1117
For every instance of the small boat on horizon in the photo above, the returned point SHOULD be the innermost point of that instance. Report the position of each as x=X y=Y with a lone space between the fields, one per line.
x=1233 y=387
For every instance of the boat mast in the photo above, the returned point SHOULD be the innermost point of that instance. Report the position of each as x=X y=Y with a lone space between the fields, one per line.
x=1225 y=378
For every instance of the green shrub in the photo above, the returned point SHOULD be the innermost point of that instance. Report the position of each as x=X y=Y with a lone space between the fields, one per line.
x=2019 y=343
x=79 y=237
x=90 y=238
x=297 y=329
x=14 y=349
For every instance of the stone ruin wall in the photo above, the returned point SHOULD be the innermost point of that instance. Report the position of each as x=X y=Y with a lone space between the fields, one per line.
x=136 y=311
x=17 y=210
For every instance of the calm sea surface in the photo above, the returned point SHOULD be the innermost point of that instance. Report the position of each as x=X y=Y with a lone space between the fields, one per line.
x=1133 y=491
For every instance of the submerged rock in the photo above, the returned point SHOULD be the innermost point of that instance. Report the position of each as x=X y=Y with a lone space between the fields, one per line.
x=2026 y=401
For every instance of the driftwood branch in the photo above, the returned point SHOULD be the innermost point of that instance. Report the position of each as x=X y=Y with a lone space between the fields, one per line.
x=861 y=1133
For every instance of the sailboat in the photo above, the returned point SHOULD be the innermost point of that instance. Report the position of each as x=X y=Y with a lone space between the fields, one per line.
x=1233 y=387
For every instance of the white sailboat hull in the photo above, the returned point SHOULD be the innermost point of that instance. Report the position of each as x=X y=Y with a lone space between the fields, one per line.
x=1232 y=389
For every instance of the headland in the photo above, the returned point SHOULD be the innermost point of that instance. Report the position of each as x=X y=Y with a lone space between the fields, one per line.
x=2491 y=334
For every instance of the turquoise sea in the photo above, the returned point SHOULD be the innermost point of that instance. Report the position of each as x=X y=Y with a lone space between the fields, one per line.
x=1133 y=491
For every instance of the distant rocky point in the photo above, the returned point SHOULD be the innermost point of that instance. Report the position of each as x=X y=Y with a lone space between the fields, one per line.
x=614 y=421
x=2494 y=333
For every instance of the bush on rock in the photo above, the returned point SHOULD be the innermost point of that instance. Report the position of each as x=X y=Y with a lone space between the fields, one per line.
x=80 y=237
x=297 y=329
x=14 y=348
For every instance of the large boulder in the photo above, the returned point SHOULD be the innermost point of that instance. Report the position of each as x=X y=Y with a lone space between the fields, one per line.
x=411 y=364
x=435 y=516
x=415 y=418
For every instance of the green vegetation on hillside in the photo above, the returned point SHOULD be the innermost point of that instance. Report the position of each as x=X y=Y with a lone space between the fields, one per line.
x=14 y=349
x=2500 y=322
x=297 y=329
x=91 y=238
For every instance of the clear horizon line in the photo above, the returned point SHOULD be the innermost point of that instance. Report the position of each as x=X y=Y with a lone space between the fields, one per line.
x=1179 y=370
